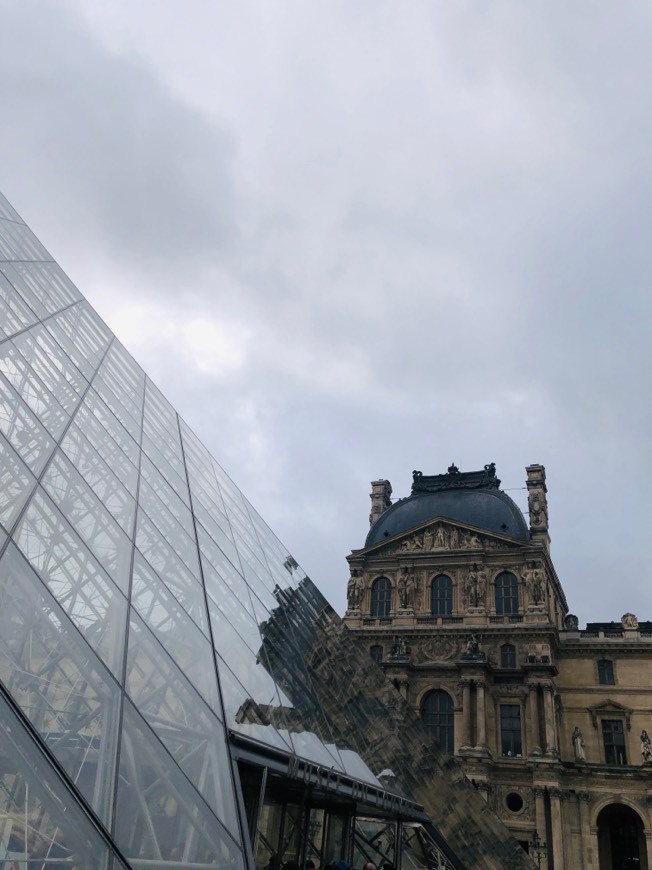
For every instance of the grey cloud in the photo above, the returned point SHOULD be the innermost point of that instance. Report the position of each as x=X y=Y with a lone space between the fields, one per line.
x=434 y=224
x=108 y=147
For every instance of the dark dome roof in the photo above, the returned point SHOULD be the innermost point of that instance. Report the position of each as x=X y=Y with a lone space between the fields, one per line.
x=487 y=509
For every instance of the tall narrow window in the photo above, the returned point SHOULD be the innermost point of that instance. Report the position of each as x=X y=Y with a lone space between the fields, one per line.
x=510 y=730
x=506 y=593
x=606 y=672
x=437 y=713
x=441 y=601
x=508 y=655
x=613 y=736
x=381 y=597
x=376 y=653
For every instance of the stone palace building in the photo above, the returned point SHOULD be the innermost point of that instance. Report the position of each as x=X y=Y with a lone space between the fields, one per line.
x=456 y=597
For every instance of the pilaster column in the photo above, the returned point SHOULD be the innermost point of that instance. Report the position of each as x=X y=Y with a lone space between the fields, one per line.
x=557 y=829
x=540 y=812
x=466 y=714
x=481 y=727
x=583 y=799
x=549 y=716
x=532 y=720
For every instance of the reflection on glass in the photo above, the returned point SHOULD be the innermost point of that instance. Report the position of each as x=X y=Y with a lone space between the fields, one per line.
x=41 y=821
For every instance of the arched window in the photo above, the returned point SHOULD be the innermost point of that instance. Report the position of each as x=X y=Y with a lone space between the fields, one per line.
x=376 y=653
x=381 y=597
x=508 y=655
x=437 y=714
x=441 y=600
x=506 y=593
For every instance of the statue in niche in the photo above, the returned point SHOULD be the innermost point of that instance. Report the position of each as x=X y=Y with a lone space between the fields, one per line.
x=646 y=748
x=354 y=589
x=440 y=538
x=629 y=620
x=406 y=588
x=473 y=646
x=400 y=647
x=534 y=583
x=578 y=745
x=454 y=538
x=481 y=586
x=476 y=586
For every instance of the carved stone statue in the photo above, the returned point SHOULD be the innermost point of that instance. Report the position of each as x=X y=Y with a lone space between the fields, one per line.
x=400 y=647
x=406 y=586
x=472 y=646
x=440 y=538
x=428 y=539
x=534 y=583
x=354 y=589
x=646 y=748
x=475 y=587
x=413 y=543
x=578 y=745
x=454 y=538
x=571 y=622
x=629 y=620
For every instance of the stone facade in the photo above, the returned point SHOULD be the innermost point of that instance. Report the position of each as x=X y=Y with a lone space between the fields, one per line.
x=471 y=624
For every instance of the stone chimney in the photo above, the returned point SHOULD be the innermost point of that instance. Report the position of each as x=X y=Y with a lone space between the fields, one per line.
x=538 y=504
x=381 y=491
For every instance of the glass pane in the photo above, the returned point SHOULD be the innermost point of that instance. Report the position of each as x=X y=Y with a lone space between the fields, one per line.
x=31 y=389
x=192 y=734
x=54 y=368
x=41 y=818
x=61 y=687
x=15 y=314
x=159 y=816
x=23 y=431
x=16 y=484
x=99 y=475
x=243 y=713
x=110 y=440
x=75 y=579
x=84 y=511
x=175 y=630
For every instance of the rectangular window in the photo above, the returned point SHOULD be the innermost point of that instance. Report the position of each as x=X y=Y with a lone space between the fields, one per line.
x=510 y=729
x=613 y=735
x=606 y=673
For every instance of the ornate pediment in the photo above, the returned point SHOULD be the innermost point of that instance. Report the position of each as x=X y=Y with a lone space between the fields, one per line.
x=611 y=708
x=440 y=536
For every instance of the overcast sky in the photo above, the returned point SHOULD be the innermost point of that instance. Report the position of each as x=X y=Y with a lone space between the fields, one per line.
x=351 y=238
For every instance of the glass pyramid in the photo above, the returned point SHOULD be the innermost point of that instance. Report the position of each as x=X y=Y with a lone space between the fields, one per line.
x=163 y=658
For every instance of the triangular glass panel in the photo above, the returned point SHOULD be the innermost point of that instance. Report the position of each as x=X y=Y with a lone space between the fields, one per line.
x=58 y=682
x=158 y=811
x=189 y=730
